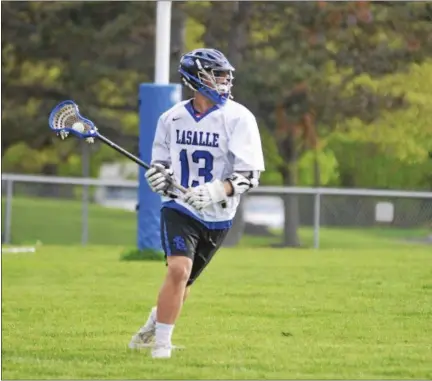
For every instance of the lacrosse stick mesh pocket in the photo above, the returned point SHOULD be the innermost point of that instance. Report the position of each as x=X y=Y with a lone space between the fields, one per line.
x=66 y=116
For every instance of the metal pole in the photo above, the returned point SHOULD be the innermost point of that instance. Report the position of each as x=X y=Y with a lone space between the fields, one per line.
x=85 y=194
x=8 y=213
x=163 y=38
x=317 y=210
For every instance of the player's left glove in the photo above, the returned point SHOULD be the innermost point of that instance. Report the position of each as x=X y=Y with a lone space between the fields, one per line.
x=241 y=184
x=204 y=195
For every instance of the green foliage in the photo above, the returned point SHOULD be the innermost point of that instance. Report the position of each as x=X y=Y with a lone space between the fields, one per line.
x=65 y=156
x=393 y=151
x=350 y=56
x=366 y=165
x=328 y=168
x=326 y=159
x=194 y=29
x=23 y=159
x=89 y=52
x=273 y=161
x=366 y=67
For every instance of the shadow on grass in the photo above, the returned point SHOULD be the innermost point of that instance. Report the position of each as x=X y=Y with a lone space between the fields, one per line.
x=142 y=255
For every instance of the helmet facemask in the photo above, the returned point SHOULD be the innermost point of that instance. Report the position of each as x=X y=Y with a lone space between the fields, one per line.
x=215 y=84
x=216 y=80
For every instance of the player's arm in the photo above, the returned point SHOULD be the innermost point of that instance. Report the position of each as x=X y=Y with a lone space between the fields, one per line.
x=159 y=176
x=161 y=143
x=245 y=145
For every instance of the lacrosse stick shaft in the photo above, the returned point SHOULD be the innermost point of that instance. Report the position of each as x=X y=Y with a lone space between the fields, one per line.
x=65 y=118
x=133 y=158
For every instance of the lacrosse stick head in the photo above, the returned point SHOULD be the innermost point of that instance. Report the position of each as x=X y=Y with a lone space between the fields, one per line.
x=65 y=119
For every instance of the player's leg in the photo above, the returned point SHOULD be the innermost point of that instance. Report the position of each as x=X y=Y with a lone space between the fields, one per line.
x=146 y=334
x=186 y=294
x=179 y=269
x=209 y=244
x=170 y=298
x=173 y=224
x=173 y=289
x=180 y=236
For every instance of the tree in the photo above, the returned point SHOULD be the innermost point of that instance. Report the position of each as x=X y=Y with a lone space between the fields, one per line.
x=93 y=53
x=398 y=144
x=320 y=77
x=302 y=60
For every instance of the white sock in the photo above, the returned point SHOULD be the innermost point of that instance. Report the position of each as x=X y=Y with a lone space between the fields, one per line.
x=164 y=333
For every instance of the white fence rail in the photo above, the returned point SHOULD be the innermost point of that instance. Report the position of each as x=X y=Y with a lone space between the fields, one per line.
x=317 y=193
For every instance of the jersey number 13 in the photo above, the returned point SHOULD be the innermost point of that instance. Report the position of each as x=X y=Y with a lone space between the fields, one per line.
x=198 y=157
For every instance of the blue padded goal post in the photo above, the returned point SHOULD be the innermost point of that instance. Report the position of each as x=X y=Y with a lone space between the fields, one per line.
x=154 y=100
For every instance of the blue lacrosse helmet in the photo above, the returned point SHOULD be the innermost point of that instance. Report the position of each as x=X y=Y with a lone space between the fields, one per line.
x=209 y=72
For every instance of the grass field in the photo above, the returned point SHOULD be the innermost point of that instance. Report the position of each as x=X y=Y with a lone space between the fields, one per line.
x=68 y=313
x=361 y=307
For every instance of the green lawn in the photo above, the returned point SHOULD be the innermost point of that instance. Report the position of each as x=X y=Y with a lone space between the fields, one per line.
x=59 y=222
x=68 y=313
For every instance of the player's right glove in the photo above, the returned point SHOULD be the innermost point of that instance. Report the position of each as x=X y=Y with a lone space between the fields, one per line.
x=159 y=179
x=202 y=196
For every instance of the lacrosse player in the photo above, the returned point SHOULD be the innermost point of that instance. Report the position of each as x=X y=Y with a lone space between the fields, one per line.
x=211 y=145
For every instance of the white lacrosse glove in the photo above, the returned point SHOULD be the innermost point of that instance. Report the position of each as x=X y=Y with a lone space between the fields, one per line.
x=204 y=195
x=159 y=179
x=241 y=184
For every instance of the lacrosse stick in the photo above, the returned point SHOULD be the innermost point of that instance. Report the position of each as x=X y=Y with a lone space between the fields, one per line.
x=65 y=119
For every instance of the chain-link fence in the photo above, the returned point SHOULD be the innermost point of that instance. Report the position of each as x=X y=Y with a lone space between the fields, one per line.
x=312 y=216
x=347 y=210
x=361 y=211
x=68 y=213
x=56 y=210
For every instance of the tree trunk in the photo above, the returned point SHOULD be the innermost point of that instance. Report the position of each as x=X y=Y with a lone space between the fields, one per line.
x=238 y=36
x=213 y=35
x=291 y=205
x=291 y=209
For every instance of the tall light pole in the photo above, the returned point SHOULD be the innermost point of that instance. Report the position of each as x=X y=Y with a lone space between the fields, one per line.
x=163 y=42
x=154 y=99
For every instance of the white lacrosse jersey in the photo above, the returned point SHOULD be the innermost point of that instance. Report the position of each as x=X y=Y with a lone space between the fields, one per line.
x=203 y=147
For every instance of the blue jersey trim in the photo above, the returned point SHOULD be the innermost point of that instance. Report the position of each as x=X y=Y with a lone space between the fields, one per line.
x=199 y=117
x=211 y=225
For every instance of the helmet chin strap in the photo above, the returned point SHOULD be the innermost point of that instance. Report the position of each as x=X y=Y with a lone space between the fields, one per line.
x=213 y=96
